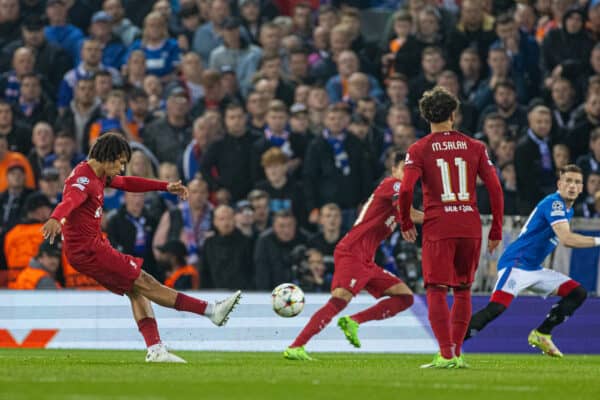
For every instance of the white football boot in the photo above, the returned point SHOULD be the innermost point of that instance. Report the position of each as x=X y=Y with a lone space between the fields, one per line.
x=221 y=309
x=159 y=353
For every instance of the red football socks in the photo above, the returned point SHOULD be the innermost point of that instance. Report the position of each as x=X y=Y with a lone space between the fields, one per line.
x=320 y=320
x=186 y=303
x=384 y=309
x=460 y=316
x=149 y=331
x=439 y=318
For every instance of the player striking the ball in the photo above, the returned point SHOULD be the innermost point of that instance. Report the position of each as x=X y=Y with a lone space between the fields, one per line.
x=520 y=266
x=78 y=216
x=448 y=163
x=355 y=269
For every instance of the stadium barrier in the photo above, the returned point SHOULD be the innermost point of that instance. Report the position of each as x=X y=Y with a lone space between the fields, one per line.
x=583 y=265
x=97 y=320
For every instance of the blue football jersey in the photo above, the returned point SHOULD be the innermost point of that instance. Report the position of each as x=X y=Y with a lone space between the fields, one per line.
x=537 y=239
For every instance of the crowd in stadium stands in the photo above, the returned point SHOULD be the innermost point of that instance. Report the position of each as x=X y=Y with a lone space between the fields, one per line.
x=280 y=116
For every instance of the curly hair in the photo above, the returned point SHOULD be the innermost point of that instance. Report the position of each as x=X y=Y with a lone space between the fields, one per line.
x=110 y=147
x=437 y=105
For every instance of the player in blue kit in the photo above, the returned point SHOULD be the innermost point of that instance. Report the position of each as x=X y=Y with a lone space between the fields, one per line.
x=520 y=266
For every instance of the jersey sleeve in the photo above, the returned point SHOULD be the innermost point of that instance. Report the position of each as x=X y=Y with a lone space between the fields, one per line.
x=76 y=191
x=137 y=184
x=414 y=158
x=487 y=172
x=554 y=211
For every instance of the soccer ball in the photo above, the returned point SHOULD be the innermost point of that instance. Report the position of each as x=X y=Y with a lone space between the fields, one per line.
x=288 y=300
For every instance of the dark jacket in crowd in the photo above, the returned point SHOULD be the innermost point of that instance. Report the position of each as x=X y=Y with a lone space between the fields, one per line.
x=122 y=235
x=272 y=261
x=227 y=262
x=298 y=143
x=325 y=183
x=165 y=141
x=227 y=165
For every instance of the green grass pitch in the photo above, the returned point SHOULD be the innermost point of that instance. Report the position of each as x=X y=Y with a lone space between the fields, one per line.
x=123 y=375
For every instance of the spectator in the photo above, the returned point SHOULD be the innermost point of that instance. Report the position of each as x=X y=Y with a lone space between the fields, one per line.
x=522 y=49
x=508 y=178
x=89 y=67
x=195 y=151
x=533 y=161
x=81 y=112
x=272 y=260
x=403 y=136
x=339 y=41
x=396 y=90
x=24 y=236
x=236 y=52
x=284 y=193
x=13 y=196
x=10 y=158
x=179 y=276
x=561 y=155
x=403 y=47
x=23 y=61
x=336 y=169
x=320 y=44
x=64 y=170
x=227 y=164
x=244 y=218
x=10 y=17
x=590 y=162
x=191 y=76
x=113 y=52
x=310 y=271
x=214 y=95
x=42 y=138
x=250 y=13
x=587 y=119
x=208 y=36
x=318 y=101
x=103 y=84
x=506 y=105
x=227 y=256
x=166 y=137
x=121 y=26
x=259 y=201
x=467 y=123
x=162 y=53
x=586 y=206
x=115 y=119
x=563 y=104
x=131 y=229
x=270 y=39
x=330 y=233
x=33 y=106
x=165 y=200
x=65 y=149
x=16 y=132
x=138 y=112
x=59 y=31
x=257 y=107
x=189 y=222
x=475 y=28
x=153 y=87
x=470 y=72
x=41 y=273
x=493 y=131
x=190 y=20
x=276 y=134
x=49 y=186
x=134 y=71
x=505 y=152
x=270 y=69
x=432 y=64
x=50 y=59
x=338 y=86
x=569 y=42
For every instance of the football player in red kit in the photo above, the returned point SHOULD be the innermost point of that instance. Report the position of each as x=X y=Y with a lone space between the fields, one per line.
x=355 y=268
x=78 y=218
x=448 y=163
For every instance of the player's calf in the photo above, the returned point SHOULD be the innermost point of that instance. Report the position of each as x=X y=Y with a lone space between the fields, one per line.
x=573 y=297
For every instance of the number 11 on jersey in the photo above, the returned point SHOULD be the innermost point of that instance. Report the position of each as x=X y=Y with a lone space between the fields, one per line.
x=448 y=194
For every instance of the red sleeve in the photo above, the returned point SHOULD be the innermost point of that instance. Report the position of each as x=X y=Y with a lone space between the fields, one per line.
x=71 y=200
x=137 y=184
x=411 y=176
x=487 y=172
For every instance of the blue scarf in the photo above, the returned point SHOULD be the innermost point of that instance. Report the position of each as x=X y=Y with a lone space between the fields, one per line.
x=139 y=247
x=191 y=160
x=28 y=108
x=387 y=249
x=13 y=88
x=195 y=232
x=108 y=124
x=340 y=156
x=544 y=150
x=282 y=141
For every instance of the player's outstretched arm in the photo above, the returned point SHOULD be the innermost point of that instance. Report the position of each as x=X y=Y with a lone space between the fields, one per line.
x=572 y=239
x=51 y=229
x=138 y=184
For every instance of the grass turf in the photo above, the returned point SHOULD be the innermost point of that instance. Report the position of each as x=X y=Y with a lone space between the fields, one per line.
x=86 y=375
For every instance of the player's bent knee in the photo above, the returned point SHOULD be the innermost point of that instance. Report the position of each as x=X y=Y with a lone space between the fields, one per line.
x=144 y=282
x=399 y=289
x=342 y=293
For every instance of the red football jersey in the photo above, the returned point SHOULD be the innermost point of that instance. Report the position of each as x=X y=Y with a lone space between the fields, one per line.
x=376 y=221
x=81 y=207
x=448 y=164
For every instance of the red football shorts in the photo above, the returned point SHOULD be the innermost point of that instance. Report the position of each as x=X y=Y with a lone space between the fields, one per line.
x=355 y=272
x=450 y=262
x=113 y=270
